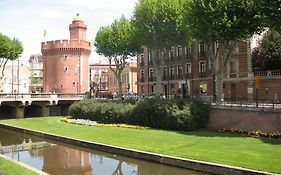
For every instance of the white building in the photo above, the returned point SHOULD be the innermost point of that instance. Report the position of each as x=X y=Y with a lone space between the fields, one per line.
x=16 y=78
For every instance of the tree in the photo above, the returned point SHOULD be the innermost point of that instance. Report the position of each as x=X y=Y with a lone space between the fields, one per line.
x=270 y=13
x=267 y=55
x=160 y=26
x=10 y=49
x=117 y=43
x=221 y=24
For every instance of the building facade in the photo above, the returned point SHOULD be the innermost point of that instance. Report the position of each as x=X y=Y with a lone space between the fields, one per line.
x=36 y=73
x=99 y=77
x=66 y=62
x=16 y=78
x=129 y=80
x=187 y=72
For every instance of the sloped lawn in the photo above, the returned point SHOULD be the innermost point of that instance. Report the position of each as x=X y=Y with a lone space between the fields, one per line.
x=248 y=152
x=10 y=168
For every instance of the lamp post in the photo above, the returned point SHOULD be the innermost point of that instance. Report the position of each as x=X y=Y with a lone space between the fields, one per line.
x=18 y=74
x=12 y=76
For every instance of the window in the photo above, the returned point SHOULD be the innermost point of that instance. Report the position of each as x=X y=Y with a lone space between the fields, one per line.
x=201 y=49
x=179 y=72
x=188 y=68
x=73 y=84
x=65 y=57
x=203 y=89
x=179 y=52
x=151 y=74
x=142 y=76
x=171 y=54
x=65 y=68
x=188 y=52
x=149 y=58
x=233 y=69
x=165 y=73
x=172 y=73
x=141 y=61
x=202 y=69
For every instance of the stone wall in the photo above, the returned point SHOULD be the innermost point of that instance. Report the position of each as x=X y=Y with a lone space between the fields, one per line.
x=248 y=119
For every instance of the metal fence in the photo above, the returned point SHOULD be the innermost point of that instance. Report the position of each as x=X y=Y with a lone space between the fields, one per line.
x=260 y=103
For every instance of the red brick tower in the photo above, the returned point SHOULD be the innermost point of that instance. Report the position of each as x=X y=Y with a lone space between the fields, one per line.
x=66 y=62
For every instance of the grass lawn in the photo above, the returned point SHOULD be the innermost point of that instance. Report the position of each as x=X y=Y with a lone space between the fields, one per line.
x=10 y=168
x=229 y=149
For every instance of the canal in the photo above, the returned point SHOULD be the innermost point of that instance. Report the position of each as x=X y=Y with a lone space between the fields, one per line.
x=58 y=158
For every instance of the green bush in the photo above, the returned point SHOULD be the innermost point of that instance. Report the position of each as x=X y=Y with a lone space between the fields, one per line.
x=105 y=112
x=176 y=114
x=157 y=113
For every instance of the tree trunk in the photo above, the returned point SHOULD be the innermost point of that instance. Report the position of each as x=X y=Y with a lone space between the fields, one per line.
x=158 y=63
x=219 y=88
x=119 y=82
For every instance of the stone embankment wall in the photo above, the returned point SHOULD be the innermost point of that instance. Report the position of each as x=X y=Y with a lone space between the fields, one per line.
x=245 y=118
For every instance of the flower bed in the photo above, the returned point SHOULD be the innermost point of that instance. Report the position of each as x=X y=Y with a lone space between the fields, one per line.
x=69 y=119
x=87 y=122
x=258 y=133
x=122 y=126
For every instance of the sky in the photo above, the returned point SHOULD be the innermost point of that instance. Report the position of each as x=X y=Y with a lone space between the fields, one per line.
x=27 y=20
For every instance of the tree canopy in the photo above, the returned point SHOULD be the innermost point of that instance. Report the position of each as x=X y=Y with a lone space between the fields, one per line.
x=160 y=26
x=220 y=24
x=269 y=11
x=117 y=42
x=160 y=23
x=267 y=56
x=10 y=49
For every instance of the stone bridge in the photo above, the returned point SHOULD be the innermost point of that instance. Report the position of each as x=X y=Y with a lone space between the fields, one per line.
x=19 y=105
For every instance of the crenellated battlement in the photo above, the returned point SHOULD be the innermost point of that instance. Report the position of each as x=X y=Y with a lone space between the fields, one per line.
x=65 y=44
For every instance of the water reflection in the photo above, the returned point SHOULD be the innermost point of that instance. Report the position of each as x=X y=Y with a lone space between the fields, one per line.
x=66 y=159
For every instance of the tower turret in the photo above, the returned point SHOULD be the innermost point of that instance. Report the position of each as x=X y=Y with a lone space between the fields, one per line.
x=77 y=29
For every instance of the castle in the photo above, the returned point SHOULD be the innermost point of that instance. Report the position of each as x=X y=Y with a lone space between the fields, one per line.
x=66 y=62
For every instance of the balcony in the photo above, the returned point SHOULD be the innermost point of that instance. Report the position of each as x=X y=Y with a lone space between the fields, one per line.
x=151 y=79
x=202 y=74
x=141 y=64
x=201 y=54
x=232 y=75
x=179 y=76
x=268 y=73
x=142 y=79
x=165 y=78
x=179 y=57
x=188 y=76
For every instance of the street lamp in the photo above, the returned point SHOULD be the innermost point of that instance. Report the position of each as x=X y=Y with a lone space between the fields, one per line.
x=18 y=75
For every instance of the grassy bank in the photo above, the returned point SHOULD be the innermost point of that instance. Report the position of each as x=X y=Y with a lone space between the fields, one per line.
x=229 y=149
x=10 y=168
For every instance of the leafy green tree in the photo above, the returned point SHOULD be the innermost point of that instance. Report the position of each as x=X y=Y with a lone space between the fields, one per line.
x=268 y=54
x=221 y=24
x=269 y=11
x=10 y=49
x=159 y=25
x=117 y=43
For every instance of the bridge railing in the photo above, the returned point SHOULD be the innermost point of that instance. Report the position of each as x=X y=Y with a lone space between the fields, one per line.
x=12 y=96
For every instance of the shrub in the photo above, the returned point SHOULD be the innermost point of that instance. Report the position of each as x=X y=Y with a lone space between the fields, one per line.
x=170 y=114
x=157 y=113
x=105 y=112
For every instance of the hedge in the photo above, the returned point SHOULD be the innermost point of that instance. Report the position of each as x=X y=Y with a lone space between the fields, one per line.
x=156 y=113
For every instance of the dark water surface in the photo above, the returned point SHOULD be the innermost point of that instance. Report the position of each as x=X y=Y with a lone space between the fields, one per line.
x=65 y=159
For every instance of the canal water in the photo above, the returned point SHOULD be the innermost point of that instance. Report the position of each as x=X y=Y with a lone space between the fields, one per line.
x=64 y=159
